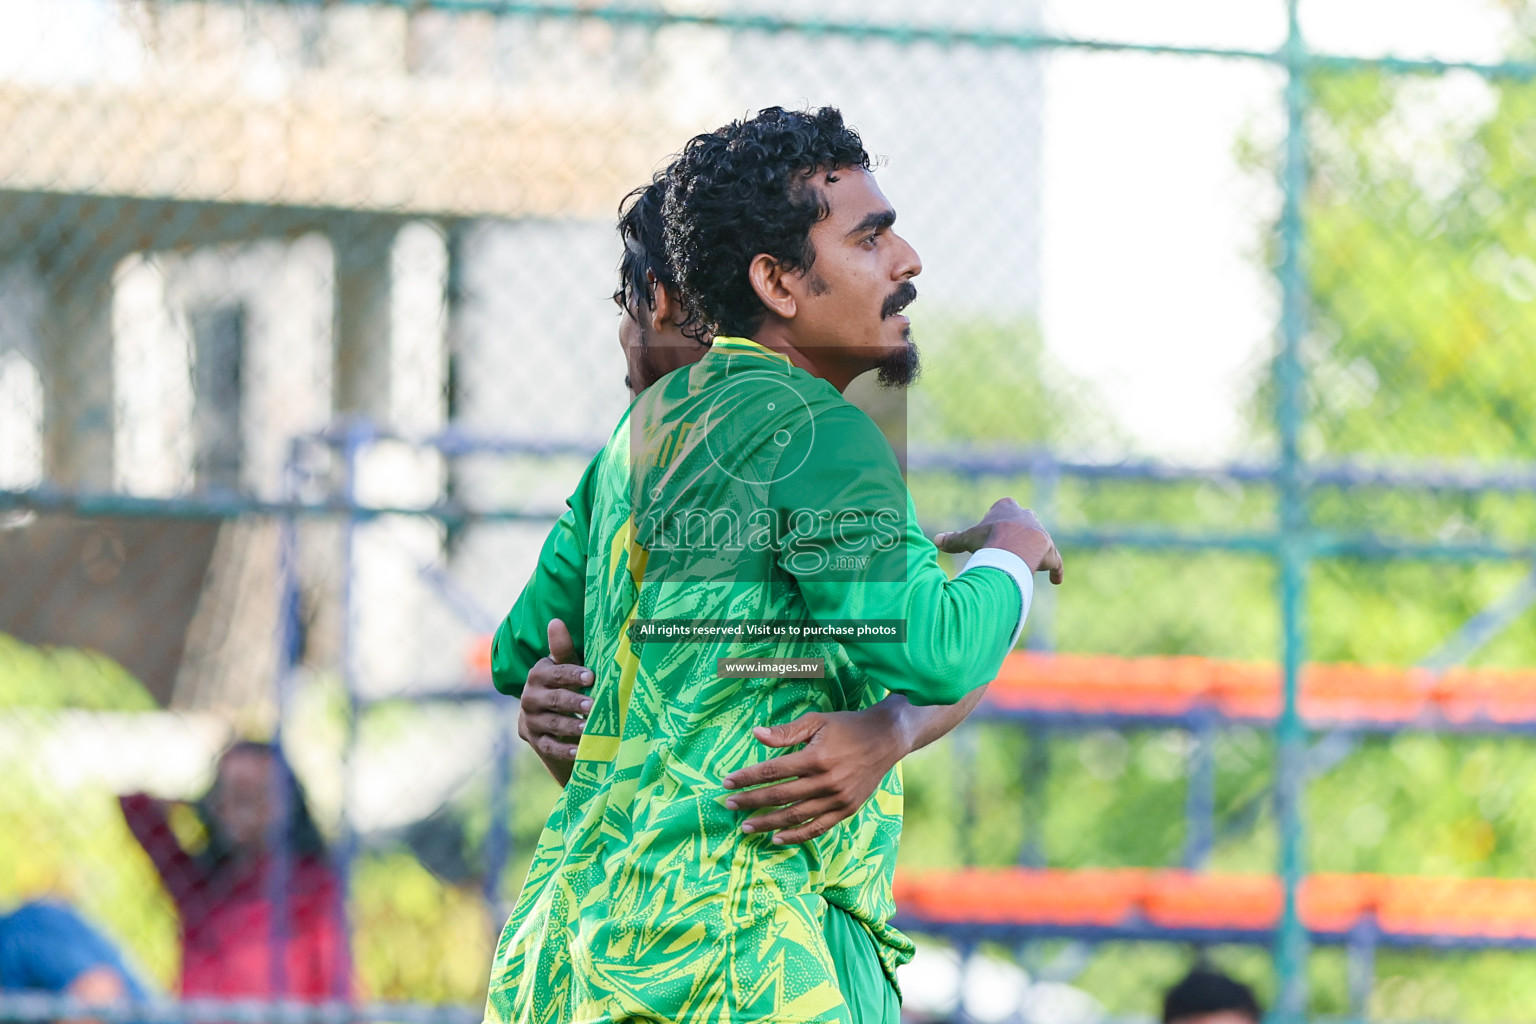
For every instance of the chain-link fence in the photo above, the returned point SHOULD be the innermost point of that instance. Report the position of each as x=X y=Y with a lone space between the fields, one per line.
x=305 y=336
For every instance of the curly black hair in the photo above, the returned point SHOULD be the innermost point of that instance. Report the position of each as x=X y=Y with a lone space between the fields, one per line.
x=746 y=189
x=645 y=255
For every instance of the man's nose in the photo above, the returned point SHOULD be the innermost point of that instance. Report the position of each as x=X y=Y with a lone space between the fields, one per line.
x=910 y=263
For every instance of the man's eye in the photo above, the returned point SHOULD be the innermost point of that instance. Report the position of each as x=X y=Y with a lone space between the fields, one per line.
x=872 y=239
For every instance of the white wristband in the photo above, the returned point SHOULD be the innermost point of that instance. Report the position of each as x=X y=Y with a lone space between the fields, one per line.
x=1013 y=565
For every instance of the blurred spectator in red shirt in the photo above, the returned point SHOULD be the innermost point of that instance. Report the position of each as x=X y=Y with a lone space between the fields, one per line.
x=261 y=884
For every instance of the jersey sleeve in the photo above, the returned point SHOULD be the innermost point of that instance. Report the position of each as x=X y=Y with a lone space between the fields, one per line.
x=557 y=590
x=852 y=542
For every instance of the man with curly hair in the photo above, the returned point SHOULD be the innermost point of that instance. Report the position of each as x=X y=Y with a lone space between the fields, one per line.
x=745 y=500
x=845 y=757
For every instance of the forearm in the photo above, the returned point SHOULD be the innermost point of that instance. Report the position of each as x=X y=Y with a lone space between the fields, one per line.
x=957 y=631
x=147 y=820
x=922 y=724
x=561 y=770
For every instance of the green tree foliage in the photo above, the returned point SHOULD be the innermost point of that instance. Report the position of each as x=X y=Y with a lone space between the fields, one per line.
x=66 y=841
x=1423 y=266
x=987 y=381
x=1422 y=284
x=61 y=677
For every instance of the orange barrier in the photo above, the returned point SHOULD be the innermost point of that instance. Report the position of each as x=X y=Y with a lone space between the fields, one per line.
x=1491 y=907
x=1407 y=907
x=1101 y=898
x=1070 y=684
x=478 y=659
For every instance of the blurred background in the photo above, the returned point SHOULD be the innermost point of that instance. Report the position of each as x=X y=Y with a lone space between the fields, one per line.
x=305 y=336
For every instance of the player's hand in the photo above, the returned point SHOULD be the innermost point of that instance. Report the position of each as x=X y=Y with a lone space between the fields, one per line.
x=846 y=754
x=552 y=713
x=1012 y=528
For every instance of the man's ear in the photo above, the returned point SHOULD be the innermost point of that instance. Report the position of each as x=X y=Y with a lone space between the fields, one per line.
x=768 y=279
x=666 y=308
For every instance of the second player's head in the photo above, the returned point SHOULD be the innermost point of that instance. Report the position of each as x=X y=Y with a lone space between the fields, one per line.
x=776 y=229
x=650 y=333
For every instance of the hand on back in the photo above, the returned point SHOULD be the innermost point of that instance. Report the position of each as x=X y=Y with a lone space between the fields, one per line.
x=552 y=712
x=846 y=755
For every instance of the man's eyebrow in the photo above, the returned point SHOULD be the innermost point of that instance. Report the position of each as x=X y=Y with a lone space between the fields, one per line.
x=877 y=221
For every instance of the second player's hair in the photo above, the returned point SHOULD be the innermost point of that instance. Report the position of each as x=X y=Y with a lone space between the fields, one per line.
x=644 y=263
x=743 y=190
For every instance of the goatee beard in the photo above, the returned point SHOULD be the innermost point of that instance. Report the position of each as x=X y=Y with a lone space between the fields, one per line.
x=900 y=369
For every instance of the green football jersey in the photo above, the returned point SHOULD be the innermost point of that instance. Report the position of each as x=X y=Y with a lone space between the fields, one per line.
x=739 y=490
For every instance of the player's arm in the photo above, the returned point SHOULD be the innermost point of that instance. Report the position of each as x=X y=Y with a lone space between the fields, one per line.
x=846 y=754
x=853 y=545
x=556 y=590
x=520 y=660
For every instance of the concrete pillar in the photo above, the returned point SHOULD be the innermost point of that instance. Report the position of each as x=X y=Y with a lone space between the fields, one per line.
x=79 y=392
x=458 y=336
x=360 y=383
x=458 y=333
x=218 y=443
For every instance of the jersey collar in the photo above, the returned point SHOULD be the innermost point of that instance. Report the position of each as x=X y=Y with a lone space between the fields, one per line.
x=748 y=349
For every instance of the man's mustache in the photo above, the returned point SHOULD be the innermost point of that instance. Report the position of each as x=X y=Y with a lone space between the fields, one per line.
x=904 y=295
